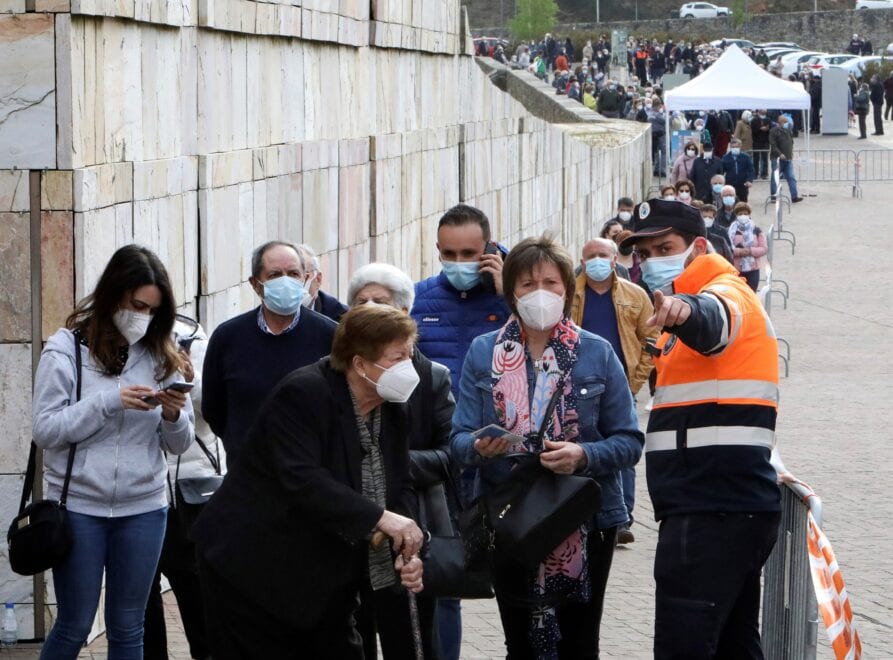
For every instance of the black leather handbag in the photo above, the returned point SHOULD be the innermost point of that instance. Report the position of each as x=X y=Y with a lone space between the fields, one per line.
x=39 y=536
x=192 y=494
x=535 y=509
x=448 y=574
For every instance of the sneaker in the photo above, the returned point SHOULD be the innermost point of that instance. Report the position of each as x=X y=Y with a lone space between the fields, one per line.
x=624 y=536
x=796 y=199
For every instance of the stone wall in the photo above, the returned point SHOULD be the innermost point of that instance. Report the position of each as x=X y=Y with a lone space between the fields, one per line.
x=201 y=128
x=824 y=31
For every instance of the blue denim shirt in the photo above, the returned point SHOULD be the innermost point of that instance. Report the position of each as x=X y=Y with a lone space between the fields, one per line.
x=609 y=429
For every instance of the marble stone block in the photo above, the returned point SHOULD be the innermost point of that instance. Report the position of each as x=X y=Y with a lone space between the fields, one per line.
x=57 y=190
x=15 y=273
x=225 y=169
x=215 y=308
x=353 y=152
x=14 y=191
x=15 y=588
x=12 y=6
x=190 y=246
x=219 y=248
x=353 y=204
x=162 y=178
x=56 y=268
x=102 y=185
x=27 y=92
x=382 y=147
x=320 y=209
x=387 y=207
x=97 y=234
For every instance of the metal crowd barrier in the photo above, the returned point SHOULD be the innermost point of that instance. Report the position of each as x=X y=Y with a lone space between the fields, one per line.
x=790 y=612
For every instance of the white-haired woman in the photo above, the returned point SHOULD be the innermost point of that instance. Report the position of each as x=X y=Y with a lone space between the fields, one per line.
x=430 y=417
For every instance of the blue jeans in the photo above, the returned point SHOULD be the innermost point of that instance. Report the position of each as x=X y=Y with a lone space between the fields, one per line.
x=449 y=628
x=127 y=550
x=628 y=477
x=786 y=170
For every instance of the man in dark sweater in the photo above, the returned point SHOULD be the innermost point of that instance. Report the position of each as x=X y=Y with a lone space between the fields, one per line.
x=249 y=354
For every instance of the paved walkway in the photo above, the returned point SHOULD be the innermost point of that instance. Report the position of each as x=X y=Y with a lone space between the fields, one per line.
x=833 y=431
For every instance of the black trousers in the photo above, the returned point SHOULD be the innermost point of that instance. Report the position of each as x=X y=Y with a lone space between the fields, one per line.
x=761 y=161
x=178 y=565
x=707 y=568
x=579 y=623
x=888 y=108
x=861 y=116
x=878 y=118
x=386 y=612
x=741 y=191
x=240 y=630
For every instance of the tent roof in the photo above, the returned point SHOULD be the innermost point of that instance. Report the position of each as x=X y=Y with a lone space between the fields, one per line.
x=735 y=82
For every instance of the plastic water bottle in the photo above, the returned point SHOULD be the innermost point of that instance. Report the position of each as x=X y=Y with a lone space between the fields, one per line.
x=10 y=633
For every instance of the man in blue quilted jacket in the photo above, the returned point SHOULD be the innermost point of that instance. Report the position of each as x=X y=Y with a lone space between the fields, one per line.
x=451 y=309
x=465 y=299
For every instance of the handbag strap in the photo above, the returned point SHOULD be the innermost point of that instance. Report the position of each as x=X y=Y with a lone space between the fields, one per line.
x=31 y=470
x=549 y=410
x=215 y=463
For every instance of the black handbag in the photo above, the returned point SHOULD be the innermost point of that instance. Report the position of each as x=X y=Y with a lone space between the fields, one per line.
x=535 y=509
x=447 y=571
x=40 y=537
x=192 y=494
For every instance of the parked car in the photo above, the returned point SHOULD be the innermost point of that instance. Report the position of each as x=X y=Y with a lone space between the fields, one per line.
x=779 y=44
x=818 y=62
x=856 y=66
x=793 y=62
x=741 y=43
x=889 y=49
x=874 y=4
x=702 y=10
x=774 y=53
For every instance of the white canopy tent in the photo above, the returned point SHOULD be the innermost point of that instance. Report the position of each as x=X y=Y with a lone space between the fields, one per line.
x=735 y=82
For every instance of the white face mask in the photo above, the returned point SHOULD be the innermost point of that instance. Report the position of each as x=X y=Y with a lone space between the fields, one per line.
x=708 y=221
x=625 y=216
x=540 y=309
x=132 y=325
x=685 y=196
x=396 y=383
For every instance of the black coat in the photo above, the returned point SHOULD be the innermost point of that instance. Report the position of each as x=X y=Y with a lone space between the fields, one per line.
x=287 y=528
x=329 y=306
x=702 y=171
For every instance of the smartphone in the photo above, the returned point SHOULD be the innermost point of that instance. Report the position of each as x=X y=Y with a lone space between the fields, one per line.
x=487 y=278
x=180 y=386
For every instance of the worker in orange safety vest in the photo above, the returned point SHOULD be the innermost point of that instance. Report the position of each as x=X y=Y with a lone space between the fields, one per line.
x=709 y=439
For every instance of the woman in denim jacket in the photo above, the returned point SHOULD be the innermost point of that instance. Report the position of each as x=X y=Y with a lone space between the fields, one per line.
x=508 y=378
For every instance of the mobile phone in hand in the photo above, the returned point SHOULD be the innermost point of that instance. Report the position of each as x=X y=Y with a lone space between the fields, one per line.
x=180 y=386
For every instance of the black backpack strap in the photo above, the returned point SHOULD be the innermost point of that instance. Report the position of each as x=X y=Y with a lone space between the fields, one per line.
x=73 y=448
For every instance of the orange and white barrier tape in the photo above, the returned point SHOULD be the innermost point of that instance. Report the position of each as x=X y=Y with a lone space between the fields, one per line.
x=827 y=580
x=830 y=592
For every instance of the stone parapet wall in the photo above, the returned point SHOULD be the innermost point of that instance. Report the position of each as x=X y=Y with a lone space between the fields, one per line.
x=202 y=128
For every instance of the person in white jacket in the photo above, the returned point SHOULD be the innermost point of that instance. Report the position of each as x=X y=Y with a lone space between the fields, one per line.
x=119 y=429
x=203 y=460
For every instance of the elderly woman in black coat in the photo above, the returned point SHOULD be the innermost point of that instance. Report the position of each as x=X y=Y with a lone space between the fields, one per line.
x=284 y=545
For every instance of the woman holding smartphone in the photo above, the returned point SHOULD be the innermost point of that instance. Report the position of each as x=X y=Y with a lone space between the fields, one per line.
x=121 y=425
x=509 y=378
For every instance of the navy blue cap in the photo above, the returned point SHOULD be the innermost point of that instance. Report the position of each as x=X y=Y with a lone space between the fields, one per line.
x=658 y=217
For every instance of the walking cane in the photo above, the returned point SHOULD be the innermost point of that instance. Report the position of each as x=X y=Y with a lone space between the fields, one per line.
x=378 y=539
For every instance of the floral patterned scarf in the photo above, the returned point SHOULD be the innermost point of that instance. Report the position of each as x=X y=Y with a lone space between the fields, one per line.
x=565 y=570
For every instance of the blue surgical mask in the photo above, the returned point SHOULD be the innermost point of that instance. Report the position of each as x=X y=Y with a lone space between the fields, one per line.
x=283 y=295
x=463 y=275
x=735 y=150
x=728 y=200
x=659 y=272
x=599 y=268
x=717 y=187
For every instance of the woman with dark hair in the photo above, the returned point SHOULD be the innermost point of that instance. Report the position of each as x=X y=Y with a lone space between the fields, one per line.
x=610 y=229
x=509 y=377
x=288 y=542
x=119 y=429
x=685 y=191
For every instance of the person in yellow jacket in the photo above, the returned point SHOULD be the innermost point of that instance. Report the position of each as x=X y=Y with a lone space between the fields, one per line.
x=616 y=310
x=708 y=440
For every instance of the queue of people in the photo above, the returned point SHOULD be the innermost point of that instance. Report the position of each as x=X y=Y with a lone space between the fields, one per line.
x=347 y=443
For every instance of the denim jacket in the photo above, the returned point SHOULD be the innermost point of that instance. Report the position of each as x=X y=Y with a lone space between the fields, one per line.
x=609 y=430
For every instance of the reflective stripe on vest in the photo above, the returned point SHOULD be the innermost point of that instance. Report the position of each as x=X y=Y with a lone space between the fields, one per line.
x=711 y=436
x=758 y=392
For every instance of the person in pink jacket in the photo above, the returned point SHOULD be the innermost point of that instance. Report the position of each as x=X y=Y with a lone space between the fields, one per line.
x=682 y=165
x=749 y=245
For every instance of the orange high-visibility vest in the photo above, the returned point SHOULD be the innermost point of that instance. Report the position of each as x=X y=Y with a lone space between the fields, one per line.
x=712 y=426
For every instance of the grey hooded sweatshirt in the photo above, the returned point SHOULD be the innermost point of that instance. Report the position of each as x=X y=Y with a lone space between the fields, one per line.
x=119 y=468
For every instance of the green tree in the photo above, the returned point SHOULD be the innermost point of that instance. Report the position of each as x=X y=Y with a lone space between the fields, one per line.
x=533 y=19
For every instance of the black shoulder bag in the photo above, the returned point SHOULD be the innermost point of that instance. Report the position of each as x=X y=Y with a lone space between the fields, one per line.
x=39 y=537
x=535 y=509
x=192 y=494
